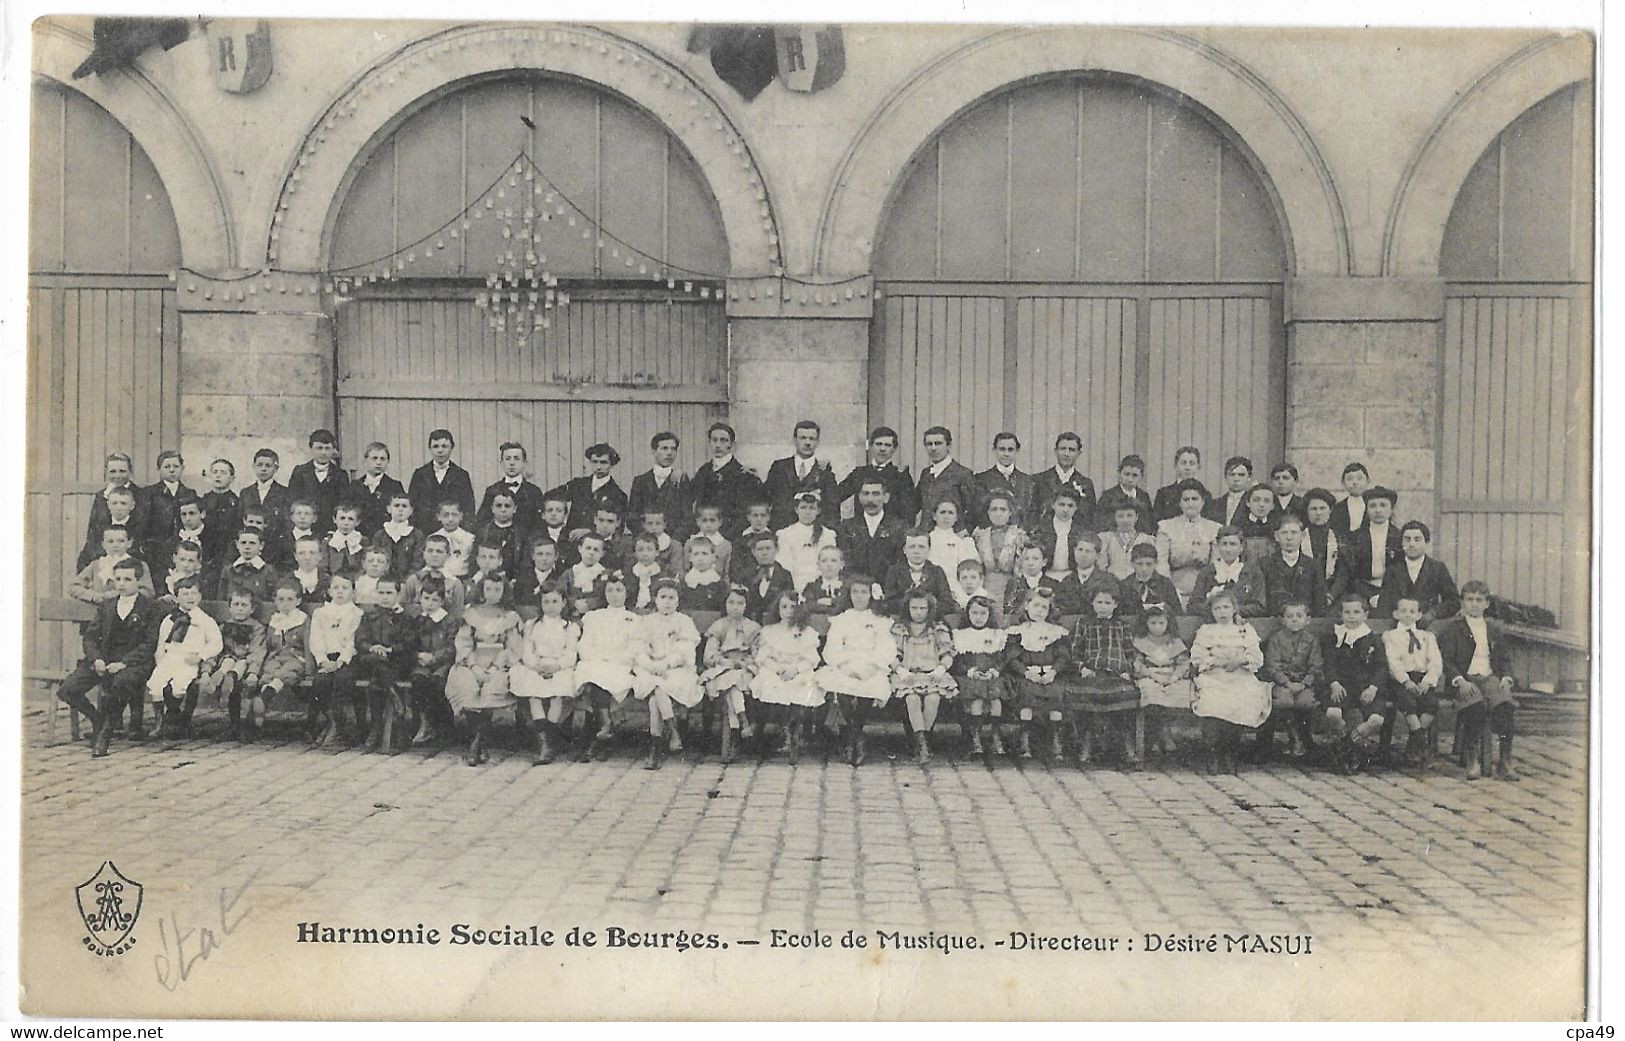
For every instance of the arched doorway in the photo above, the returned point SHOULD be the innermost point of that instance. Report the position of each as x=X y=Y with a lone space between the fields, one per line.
x=103 y=334
x=1084 y=253
x=1515 y=430
x=624 y=360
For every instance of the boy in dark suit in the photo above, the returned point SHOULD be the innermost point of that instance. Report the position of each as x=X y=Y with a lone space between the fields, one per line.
x=505 y=530
x=265 y=493
x=1187 y=461
x=435 y=642
x=1126 y=492
x=527 y=497
x=1075 y=592
x=795 y=475
x=321 y=480
x=766 y=580
x=1284 y=483
x=438 y=480
x=386 y=643
x=1229 y=571
x=1145 y=588
x=1289 y=573
x=588 y=494
x=1356 y=676
x=943 y=477
x=663 y=487
x=1419 y=577
x=1375 y=549
x=221 y=505
x=1068 y=446
x=1231 y=507
x=119 y=647
x=1003 y=478
x=872 y=541
x=162 y=499
x=373 y=490
x=542 y=571
x=883 y=465
x=116 y=470
x=1348 y=515
x=1477 y=667
x=914 y=570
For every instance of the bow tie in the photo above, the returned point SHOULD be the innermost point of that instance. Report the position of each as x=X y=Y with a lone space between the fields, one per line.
x=180 y=624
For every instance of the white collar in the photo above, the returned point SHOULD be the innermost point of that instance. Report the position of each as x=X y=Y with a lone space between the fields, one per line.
x=1084 y=576
x=440 y=468
x=598 y=482
x=662 y=474
x=698 y=578
x=1066 y=474
x=320 y=468
x=398 y=529
x=1005 y=470
x=1380 y=524
x=245 y=562
x=937 y=468
x=373 y=482
x=127 y=601
x=1222 y=570
x=1415 y=565
x=806 y=463
x=108 y=562
x=874 y=520
x=300 y=533
x=1292 y=561
x=718 y=462
x=1350 y=635
x=173 y=487
x=513 y=482
x=295 y=617
x=437 y=614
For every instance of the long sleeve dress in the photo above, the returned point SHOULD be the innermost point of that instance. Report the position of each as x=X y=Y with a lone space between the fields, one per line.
x=1104 y=646
x=606 y=649
x=781 y=648
x=923 y=660
x=999 y=550
x=665 y=647
x=1162 y=671
x=1225 y=658
x=980 y=650
x=555 y=643
x=1184 y=545
x=489 y=640
x=858 y=642
x=798 y=551
x=1041 y=646
x=730 y=655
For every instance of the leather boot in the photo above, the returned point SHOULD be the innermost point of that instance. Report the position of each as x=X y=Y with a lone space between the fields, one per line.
x=1026 y=741
x=546 y=743
x=975 y=734
x=1503 y=767
x=234 y=712
x=727 y=749
x=375 y=735
x=792 y=748
x=922 y=748
x=995 y=734
x=656 y=748
x=471 y=755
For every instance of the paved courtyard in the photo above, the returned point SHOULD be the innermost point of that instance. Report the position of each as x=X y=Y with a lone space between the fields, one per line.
x=1390 y=864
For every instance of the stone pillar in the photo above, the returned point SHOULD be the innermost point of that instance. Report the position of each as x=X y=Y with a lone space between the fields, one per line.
x=1363 y=384
x=256 y=372
x=790 y=360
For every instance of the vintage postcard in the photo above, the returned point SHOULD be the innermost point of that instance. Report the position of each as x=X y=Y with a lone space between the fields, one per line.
x=780 y=521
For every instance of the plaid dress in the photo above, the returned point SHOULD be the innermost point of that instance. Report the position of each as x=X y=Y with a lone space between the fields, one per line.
x=1104 y=646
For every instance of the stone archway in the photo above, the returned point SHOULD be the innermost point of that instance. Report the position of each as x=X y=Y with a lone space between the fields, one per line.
x=316 y=176
x=1266 y=126
x=195 y=193
x=1428 y=189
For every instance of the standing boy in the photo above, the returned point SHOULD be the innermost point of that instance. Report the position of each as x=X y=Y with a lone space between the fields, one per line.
x=1231 y=507
x=374 y=489
x=1375 y=549
x=1126 y=492
x=1064 y=474
x=1290 y=575
x=593 y=491
x=664 y=487
x=944 y=478
x=163 y=498
x=1002 y=478
x=1165 y=504
x=320 y=481
x=267 y=493
x=723 y=481
x=527 y=497
x=1348 y=516
x=117 y=469
x=1420 y=577
x=1477 y=667
x=440 y=479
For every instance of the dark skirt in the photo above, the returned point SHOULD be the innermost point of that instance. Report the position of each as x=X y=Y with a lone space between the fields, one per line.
x=1024 y=693
x=985 y=690
x=1104 y=694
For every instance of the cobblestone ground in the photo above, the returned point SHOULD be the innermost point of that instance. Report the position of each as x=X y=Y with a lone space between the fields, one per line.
x=1375 y=863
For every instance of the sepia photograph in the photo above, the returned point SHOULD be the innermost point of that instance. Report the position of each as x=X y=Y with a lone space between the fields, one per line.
x=541 y=520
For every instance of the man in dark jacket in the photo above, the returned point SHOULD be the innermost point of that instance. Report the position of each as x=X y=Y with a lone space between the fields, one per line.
x=119 y=648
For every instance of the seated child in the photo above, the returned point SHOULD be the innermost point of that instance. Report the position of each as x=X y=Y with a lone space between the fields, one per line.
x=121 y=513
x=948 y=543
x=766 y=581
x=1415 y=671
x=287 y=652
x=332 y=647
x=1477 y=667
x=858 y=655
x=709 y=521
x=603 y=674
x=459 y=540
x=914 y=572
x=487 y=646
x=374 y=568
x=1162 y=672
x=215 y=540
x=970 y=583
x=647 y=569
x=786 y=666
x=1145 y=588
x=188 y=641
x=1036 y=655
x=1294 y=668
x=703 y=588
x=386 y=645
x=978 y=669
x=435 y=639
x=1118 y=544
x=545 y=672
x=556 y=527
x=828 y=594
x=436 y=554
x=1228 y=571
x=397 y=537
x=1102 y=685
x=341 y=549
x=584 y=582
x=220 y=504
x=94 y=582
x=1356 y=675
x=1229 y=697
x=999 y=546
x=242 y=657
x=800 y=542
x=925 y=651
x=730 y=666
x=663 y=672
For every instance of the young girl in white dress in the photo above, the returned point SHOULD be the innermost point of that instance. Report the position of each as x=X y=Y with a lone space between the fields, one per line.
x=603 y=673
x=858 y=656
x=949 y=545
x=545 y=672
x=730 y=666
x=786 y=663
x=488 y=645
x=1229 y=696
x=800 y=542
x=665 y=646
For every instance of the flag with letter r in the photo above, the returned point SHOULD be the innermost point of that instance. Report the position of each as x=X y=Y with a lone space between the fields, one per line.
x=811 y=57
x=240 y=54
